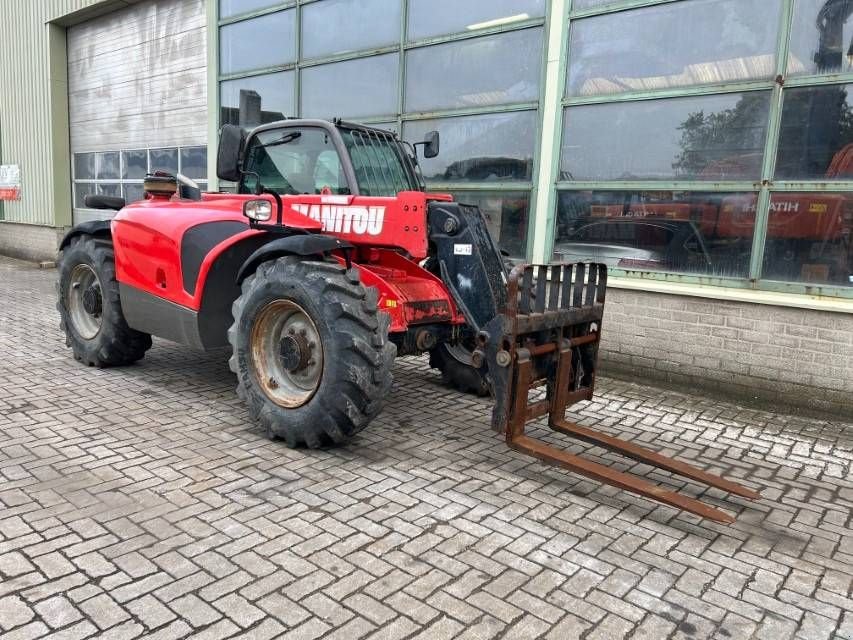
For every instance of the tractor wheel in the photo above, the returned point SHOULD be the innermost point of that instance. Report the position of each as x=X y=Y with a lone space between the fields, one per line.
x=310 y=350
x=457 y=370
x=89 y=307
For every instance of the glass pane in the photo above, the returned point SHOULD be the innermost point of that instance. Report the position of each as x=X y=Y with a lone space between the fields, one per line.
x=506 y=216
x=229 y=8
x=378 y=162
x=809 y=238
x=718 y=137
x=821 y=37
x=429 y=18
x=493 y=70
x=134 y=164
x=351 y=89
x=81 y=190
x=133 y=193
x=578 y=5
x=337 y=26
x=108 y=165
x=816 y=140
x=257 y=100
x=164 y=160
x=295 y=161
x=194 y=162
x=495 y=147
x=112 y=189
x=258 y=43
x=705 y=233
x=84 y=166
x=614 y=53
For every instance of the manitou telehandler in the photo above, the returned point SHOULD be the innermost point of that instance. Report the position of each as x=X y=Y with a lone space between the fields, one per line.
x=330 y=260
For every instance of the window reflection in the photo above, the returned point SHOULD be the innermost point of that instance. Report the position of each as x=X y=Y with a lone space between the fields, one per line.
x=229 y=8
x=364 y=24
x=717 y=137
x=673 y=45
x=164 y=160
x=194 y=162
x=428 y=18
x=498 y=69
x=258 y=43
x=134 y=164
x=506 y=215
x=704 y=233
x=352 y=89
x=494 y=147
x=257 y=100
x=108 y=166
x=816 y=140
x=821 y=37
x=809 y=238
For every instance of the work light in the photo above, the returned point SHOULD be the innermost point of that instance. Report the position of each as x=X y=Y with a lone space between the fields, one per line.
x=260 y=210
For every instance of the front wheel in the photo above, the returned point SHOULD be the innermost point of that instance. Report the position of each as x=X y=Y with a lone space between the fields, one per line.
x=310 y=350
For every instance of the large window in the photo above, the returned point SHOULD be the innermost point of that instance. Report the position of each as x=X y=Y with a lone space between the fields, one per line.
x=471 y=70
x=710 y=141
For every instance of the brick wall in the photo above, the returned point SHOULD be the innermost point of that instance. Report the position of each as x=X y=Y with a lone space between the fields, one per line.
x=794 y=356
x=29 y=241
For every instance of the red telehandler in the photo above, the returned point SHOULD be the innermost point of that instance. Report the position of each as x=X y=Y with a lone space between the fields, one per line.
x=330 y=260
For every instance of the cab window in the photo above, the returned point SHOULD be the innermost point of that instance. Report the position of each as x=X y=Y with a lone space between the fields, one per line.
x=294 y=161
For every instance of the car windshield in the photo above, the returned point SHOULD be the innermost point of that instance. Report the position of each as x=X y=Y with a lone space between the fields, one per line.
x=379 y=163
x=628 y=234
x=295 y=160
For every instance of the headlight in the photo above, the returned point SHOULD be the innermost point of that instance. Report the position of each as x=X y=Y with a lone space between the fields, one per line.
x=260 y=210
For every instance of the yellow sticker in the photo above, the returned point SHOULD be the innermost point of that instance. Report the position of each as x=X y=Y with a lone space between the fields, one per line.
x=817 y=207
x=391 y=303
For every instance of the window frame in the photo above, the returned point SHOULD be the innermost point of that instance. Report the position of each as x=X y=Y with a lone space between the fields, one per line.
x=203 y=182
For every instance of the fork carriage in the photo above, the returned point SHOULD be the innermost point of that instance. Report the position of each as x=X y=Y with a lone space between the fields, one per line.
x=548 y=336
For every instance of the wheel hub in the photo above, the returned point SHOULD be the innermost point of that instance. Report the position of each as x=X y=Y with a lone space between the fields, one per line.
x=93 y=304
x=84 y=301
x=287 y=354
x=295 y=353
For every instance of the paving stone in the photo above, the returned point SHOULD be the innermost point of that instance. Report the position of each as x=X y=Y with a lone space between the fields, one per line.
x=57 y=611
x=143 y=501
x=14 y=612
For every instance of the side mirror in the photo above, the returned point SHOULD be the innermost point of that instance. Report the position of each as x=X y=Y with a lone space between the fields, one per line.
x=431 y=144
x=231 y=141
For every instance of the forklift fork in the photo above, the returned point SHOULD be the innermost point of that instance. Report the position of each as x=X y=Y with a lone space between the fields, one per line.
x=548 y=336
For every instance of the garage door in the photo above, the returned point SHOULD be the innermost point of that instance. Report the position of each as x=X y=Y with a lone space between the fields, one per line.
x=137 y=88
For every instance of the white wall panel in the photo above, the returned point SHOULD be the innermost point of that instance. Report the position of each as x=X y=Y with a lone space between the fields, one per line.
x=137 y=77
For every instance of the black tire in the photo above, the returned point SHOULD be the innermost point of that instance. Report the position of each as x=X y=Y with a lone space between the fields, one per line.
x=114 y=343
x=355 y=357
x=457 y=372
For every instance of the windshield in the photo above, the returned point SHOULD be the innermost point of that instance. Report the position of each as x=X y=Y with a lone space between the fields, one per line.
x=379 y=162
x=294 y=161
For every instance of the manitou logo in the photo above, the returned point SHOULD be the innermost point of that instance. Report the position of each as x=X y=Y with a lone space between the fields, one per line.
x=345 y=218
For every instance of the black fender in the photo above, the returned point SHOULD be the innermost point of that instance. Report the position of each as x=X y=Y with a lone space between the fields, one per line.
x=300 y=245
x=92 y=228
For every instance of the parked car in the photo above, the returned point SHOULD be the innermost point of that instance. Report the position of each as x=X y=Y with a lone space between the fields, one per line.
x=636 y=243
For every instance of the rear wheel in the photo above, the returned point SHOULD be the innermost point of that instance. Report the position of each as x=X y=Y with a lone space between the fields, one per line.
x=310 y=350
x=457 y=370
x=90 y=309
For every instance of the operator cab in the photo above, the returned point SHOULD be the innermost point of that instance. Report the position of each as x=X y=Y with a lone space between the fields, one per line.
x=316 y=157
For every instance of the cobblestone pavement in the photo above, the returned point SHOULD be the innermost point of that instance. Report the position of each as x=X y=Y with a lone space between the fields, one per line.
x=142 y=502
